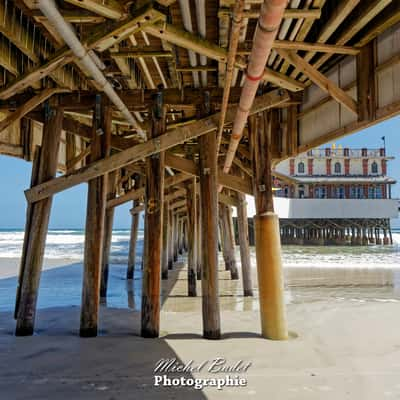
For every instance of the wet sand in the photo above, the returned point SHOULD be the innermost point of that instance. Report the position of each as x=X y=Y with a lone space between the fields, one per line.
x=344 y=339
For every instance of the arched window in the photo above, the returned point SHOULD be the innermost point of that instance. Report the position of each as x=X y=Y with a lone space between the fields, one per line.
x=374 y=168
x=337 y=168
x=300 y=168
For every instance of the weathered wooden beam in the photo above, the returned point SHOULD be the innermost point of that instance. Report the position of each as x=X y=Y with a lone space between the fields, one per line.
x=152 y=146
x=191 y=191
x=292 y=131
x=178 y=204
x=140 y=99
x=199 y=238
x=77 y=159
x=136 y=194
x=28 y=107
x=175 y=194
x=192 y=42
x=303 y=27
x=389 y=17
x=24 y=39
x=209 y=236
x=137 y=209
x=16 y=33
x=288 y=13
x=198 y=68
x=109 y=9
x=165 y=240
x=344 y=8
x=28 y=221
x=242 y=185
x=227 y=240
x=72 y=16
x=315 y=47
x=35 y=238
x=143 y=53
x=154 y=186
x=320 y=80
x=366 y=82
x=109 y=214
x=99 y=38
x=94 y=229
x=130 y=272
x=356 y=25
x=228 y=200
x=171 y=240
x=243 y=233
x=12 y=150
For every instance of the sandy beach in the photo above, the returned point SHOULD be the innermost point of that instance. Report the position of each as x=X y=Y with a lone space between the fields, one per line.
x=343 y=340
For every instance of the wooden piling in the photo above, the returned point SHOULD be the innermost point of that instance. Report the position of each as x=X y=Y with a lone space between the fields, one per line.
x=130 y=272
x=150 y=316
x=171 y=240
x=266 y=224
x=192 y=237
x=35 y=237
x=176 y=237
x=199 y=246
x=209 y=223
x=95 y=221
x=108 y=227
x=230 y=231
x=223 y=246
x=243 y=233
x=165 y=240
x=34 y=180
x=180 y=236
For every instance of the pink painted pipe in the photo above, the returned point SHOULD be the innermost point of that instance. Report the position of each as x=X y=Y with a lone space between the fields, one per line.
x=268 y=24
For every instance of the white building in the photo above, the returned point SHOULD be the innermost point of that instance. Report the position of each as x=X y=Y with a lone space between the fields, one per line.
x=335 y=196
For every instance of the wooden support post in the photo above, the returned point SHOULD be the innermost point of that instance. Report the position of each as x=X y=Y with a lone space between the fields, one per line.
x=231 y=242
x=111 y=193
x=171 y=239
x=291 y=131
x=150 y=319
x=227 y=240
x=199 y=240
x=108 y=227
x=34 y=179
x=165 y=240
x=266 y=224
x=176 y=237
x=222 y=237
x=95 y=217
x=130 y=272
x=243 y=231
x=192 y=237
x=180 y=236
x=209 y=223
x=39 y=213
x=366 y=82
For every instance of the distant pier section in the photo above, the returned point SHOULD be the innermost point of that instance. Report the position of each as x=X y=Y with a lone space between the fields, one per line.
x=335 y=196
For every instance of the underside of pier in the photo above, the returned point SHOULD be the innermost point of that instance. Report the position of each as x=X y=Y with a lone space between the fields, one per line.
x=182 y=108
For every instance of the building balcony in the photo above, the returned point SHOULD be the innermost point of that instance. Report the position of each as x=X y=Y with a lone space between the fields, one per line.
x=335 y=208
x=348 y=153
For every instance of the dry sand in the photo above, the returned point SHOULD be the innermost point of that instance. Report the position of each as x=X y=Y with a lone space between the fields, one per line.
x=340 y=348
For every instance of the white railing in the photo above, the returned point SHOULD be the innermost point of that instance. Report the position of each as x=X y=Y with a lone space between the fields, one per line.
x=343 y=152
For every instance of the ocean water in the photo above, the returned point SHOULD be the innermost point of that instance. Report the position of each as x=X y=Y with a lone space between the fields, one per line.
x=68 y=245
x=312 y=273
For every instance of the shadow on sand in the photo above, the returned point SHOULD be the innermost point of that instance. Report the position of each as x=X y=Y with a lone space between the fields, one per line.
x=56 y=364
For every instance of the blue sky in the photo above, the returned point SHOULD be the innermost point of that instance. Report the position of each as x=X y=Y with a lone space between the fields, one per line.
x=69 y=207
